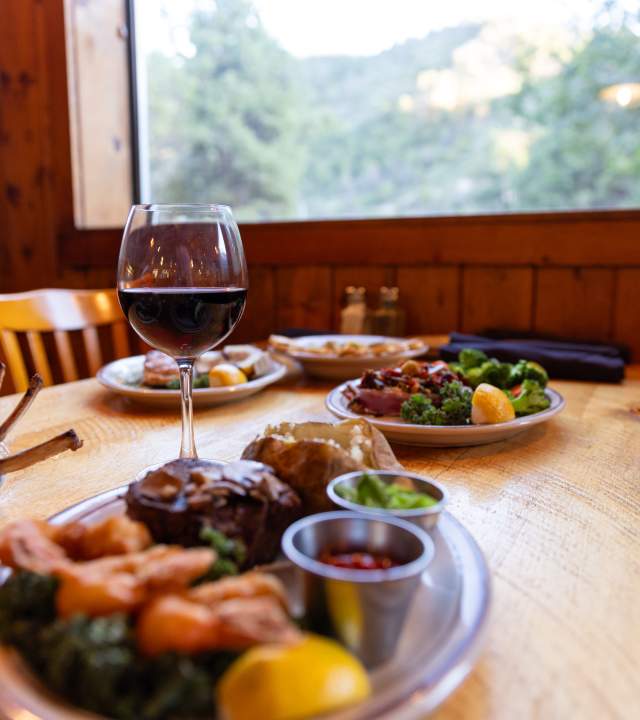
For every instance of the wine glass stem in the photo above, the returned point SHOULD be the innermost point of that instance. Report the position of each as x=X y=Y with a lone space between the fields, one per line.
x=188 y=443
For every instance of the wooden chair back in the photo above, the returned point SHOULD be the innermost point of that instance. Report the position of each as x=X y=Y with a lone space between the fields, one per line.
x=59 y=312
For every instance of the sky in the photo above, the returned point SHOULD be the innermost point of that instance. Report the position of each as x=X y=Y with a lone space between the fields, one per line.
x=355 y=27
x=326 y=27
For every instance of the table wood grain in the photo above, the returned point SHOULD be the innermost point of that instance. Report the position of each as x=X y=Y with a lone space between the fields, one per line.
x=556 y=511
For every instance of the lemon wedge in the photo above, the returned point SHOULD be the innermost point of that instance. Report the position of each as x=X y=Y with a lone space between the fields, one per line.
x=226 y=374
x=490 y=405
x=290 y=682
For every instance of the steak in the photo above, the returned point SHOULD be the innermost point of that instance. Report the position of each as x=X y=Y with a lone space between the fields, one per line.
x=244 y=500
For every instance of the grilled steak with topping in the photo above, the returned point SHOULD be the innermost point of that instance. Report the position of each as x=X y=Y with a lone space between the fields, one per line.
x=244 y=500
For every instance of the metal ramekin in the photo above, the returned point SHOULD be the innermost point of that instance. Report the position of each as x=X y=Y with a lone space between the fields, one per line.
x=364 y=609
x=425 y=518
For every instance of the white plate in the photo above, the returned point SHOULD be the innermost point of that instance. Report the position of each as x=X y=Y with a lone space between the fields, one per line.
x=438 y=647
x=341 y=368
x=444 y=435
x=116 y=375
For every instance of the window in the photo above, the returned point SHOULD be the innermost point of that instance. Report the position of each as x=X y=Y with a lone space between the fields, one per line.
x=291 y=109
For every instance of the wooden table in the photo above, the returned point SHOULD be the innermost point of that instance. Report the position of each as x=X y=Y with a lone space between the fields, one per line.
x=556 y=510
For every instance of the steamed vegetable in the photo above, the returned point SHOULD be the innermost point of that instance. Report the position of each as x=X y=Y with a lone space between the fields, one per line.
x=491 y=371
x=476 y=368
x=94 y=662
x=231 y=554
x=451 y=407
x=199 y=381
x=371 y=491
x=470 y=358
x=529 y=398
x=528 y=370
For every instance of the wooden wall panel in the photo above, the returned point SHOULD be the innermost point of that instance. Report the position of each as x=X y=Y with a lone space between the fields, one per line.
x=496 y=297
x=575 y=302
x=371 y=277
x=25 y=206
x=431 y=298
x=627 y=310
x=304 y=297
x=259 y=317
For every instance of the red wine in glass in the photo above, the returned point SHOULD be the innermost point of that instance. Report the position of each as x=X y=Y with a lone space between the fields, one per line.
x=183 y=322
x=182 y=284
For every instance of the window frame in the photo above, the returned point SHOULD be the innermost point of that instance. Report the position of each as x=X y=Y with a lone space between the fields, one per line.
x=566 y=238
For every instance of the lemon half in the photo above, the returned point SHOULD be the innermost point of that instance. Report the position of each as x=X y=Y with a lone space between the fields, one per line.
x=226 y=374
x=489 y=405
x=290 y=682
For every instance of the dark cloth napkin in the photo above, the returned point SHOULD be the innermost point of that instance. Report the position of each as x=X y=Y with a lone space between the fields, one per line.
x=562 y=359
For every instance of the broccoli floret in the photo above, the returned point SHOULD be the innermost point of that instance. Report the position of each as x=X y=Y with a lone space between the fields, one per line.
x=456 y=403
x=232 y=554
x=94 y=662
x=528 y=370
x=420 y=410
x=201 y=381
x=491 y=371
x=471 y=358
x=455 y=408
x=529 y=399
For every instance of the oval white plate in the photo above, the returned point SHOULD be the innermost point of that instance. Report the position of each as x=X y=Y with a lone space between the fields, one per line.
x=444 y=435
x=341 y=368
x=114 y=377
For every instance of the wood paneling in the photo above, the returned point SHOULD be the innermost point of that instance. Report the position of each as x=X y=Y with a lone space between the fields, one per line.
x=431 y=298
x=304 y=297
x=371 y=277
x=627 y=310
x=259 y=317
x=26 y=205
x=495 y=297
x=587 y=239
x=575 y=302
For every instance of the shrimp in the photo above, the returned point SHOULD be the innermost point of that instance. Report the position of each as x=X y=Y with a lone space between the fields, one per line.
x=115 y=535
x=251 y=584
x=27 y=545
x=124 y=583
x=233 y=614
x=41 y=547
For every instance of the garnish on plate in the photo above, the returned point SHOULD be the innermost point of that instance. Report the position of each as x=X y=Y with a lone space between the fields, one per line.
x=439 y=393
x=357 y=560
x=324 y=675
x=373 y=492
x=233 y=365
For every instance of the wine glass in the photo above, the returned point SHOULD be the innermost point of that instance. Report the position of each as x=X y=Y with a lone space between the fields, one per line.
x=182 y=283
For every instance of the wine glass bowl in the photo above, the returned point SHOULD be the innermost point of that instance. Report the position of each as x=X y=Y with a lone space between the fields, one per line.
x=182 y=284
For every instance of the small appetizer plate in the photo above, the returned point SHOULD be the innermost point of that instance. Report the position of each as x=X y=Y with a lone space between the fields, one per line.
x=400 y=431
x=123 y=377
x=341 y=367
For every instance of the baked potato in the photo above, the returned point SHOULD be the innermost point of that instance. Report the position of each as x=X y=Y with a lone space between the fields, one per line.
x=308 y=455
